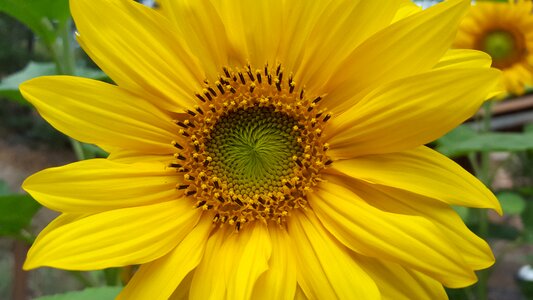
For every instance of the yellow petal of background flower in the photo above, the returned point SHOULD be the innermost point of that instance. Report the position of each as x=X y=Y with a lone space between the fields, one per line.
x=99 y=113
x=115 y=238
x=158 y=279
x=410 y=241
x=139 y=49
x=409 y=46
x=247 y=255
x=474 y=250
x=325 y=268
x=409 y=112
x=279 y=281
x=398 y=283
x=71 y=188
x=422 y=171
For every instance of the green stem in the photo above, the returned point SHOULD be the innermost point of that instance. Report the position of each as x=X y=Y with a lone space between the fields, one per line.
x=78 y=149
x=483 y=174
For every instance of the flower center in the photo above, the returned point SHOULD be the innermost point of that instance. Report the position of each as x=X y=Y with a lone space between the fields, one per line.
x=252 y=148
x=503 y=46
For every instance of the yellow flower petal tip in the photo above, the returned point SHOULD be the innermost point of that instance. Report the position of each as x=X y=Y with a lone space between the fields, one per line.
x=250 y=143
x=502 y=29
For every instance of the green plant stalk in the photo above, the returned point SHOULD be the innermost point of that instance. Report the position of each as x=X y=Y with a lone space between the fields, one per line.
x=484 y=174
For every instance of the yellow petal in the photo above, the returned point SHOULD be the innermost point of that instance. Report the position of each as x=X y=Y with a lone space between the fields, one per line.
x=398 y=283
x=201 y=26
x=279 y=282
x=407 y=47
x=329 y=39
x=407 y=8
x=421 y=171
x=182 y=291
x=115 y=238
x=409 y=112
x=325 y=268
x=410 y=241
x=464 y=58
x=159 y=279
x=247 y=254
x=99 y=184
x=139 y=49
x=474 y=250
x=99 y=113
x=209 y=279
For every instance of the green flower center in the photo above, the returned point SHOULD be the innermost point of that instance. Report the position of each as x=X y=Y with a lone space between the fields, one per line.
x=252 y=149
x=499 y=45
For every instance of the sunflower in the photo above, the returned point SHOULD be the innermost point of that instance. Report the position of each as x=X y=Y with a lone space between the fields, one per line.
x=266 y=150
x=504 y=30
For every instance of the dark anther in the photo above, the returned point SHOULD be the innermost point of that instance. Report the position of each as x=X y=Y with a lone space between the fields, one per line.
x=317 y=99
x=208 y=96
x=280 y=76
x=319 y=114
x=216 y=217
x=223 y=219
x=221 y=199
x=198 y=109
x=189 y=193
x=200 y=97
x=191 y=178
x=278 y=70
x=310 y=108
x=206 y=162
x=299 y=163
x=288 y=184
x=212 y=91
x=202 y=203
x=226 y=72
x=291 y=88
x=185 y=133
x=261 y=200
x=328 y=162
x=177 y=145
x=239 y=202
x=220 y=88
x=190 y=112
x=302 y=94
x=251 y=75
x=213 y=109
x=180 y=157
x=258 y=77
x=231 y=89
x=234 y=77
x=197 y=148
x=238 y=226
x=182 y=124
x=269 y=79
x=242 y=78
x=266 y=69
x=174 y=165
x=278 y=86
x=327 y=117
x=182 y=186
x=210 y=206
x=252 y=87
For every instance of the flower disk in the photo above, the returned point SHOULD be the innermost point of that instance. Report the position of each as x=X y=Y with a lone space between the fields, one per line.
x=254 y=147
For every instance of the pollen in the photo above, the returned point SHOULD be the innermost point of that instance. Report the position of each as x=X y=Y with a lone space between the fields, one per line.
x=252 y=148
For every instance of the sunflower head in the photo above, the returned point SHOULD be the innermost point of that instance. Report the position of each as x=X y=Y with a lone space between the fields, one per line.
x=503 y=30
x=266 y=150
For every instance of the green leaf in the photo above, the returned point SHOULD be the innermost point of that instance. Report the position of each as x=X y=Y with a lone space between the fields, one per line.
x=100 y=293
x=16 y=212
x=512 y=203
x=464 y=140
x=9 y=87
x=38 y=15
